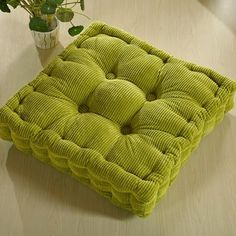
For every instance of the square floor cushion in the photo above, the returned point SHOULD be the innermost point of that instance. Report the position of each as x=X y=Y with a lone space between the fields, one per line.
x=118 y=114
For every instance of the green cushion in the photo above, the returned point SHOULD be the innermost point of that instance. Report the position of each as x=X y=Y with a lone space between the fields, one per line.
x=118 y=114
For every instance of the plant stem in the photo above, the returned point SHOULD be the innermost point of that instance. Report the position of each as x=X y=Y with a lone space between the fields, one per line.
x=68 y=3
x=26 y=9
x=36 y=9
x=30 y=2
x=49 y=20
x=26 y=5
x=73 y=5
x=82 y=15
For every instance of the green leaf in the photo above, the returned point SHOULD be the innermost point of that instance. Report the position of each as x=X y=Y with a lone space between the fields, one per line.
x=3 y=6
x=74 y=30
x=38 y=24
x=82 y=5
x=64 y=14
x=48 y=9
x=59 y=2
x=13 y=3
x=51 y=2
x=54 y=2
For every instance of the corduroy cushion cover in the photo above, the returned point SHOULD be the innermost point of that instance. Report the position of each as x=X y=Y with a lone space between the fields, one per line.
x=118 y=114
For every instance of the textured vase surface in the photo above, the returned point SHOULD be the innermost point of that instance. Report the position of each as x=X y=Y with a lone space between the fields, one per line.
x=46 y=40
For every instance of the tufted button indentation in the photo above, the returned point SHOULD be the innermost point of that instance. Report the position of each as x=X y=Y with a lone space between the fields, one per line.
x=83 y=108
x=166 y=60
x=204 y=105
x=63 y=58
x=164 y=152
x=126 y=129
x=22 y=117
x=21 y=101
x=151 y=97
x=110 y=76
x=189 y=119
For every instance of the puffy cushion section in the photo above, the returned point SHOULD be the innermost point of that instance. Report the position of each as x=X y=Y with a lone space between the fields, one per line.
x=118 y=114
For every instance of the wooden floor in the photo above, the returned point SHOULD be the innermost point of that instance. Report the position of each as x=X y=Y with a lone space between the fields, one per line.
x=36 y=200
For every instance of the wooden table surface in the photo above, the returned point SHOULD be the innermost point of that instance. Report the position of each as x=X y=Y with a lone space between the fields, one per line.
x=36 y=200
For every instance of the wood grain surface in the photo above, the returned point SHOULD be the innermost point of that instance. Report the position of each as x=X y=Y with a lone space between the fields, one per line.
x=36 y=200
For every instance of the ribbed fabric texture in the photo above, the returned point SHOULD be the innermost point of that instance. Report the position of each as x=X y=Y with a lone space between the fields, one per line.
x=118 y=114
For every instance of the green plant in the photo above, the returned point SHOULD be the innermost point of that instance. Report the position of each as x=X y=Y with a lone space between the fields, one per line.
x=43 y=13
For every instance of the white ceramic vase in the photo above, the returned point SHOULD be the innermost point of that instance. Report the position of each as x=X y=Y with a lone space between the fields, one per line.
x=46 y=40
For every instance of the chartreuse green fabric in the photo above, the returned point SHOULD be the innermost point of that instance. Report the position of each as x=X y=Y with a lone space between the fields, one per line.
x=118 y=114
